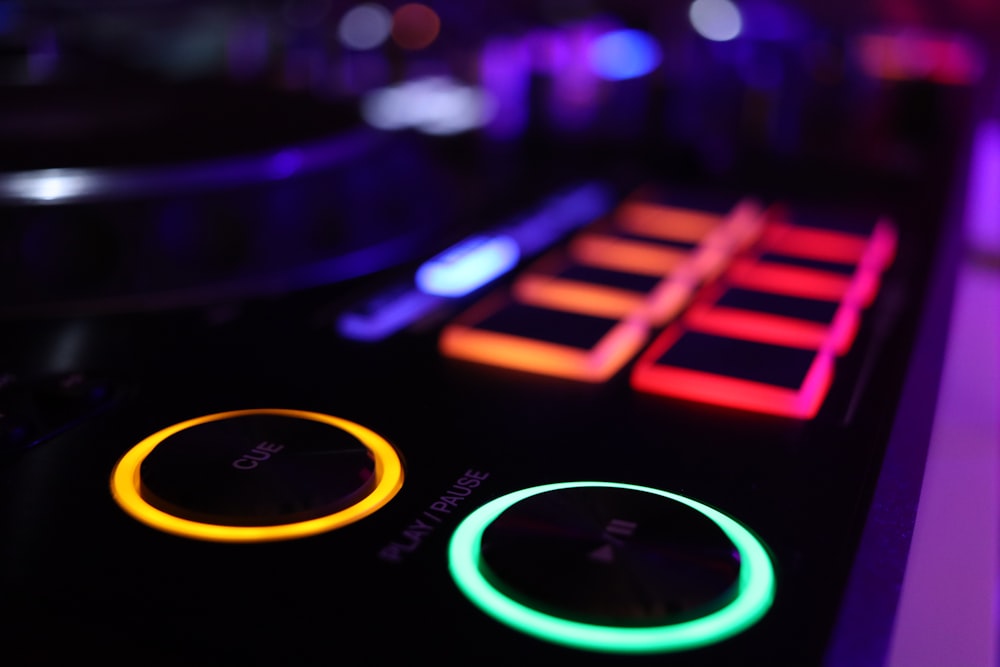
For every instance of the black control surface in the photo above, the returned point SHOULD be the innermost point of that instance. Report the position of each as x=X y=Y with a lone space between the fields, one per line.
x=203 y=462
x=466 y=433
x=570 y=554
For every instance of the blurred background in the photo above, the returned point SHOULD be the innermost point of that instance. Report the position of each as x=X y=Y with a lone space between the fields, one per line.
x=158 y=153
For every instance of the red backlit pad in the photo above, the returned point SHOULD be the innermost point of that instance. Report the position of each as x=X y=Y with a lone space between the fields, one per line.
x=735 y=372
x=820 y=262
x=775 y=317
x=766 y=336
x=757 y=305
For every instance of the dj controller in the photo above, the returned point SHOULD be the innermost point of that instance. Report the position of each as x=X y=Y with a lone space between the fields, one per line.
x=648 y=379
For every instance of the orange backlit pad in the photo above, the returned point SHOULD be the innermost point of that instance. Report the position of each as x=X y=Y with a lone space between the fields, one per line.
x=506 y=333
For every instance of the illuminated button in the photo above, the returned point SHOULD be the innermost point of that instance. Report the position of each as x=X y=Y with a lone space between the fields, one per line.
x=606 y=248
x=669 y=222
x=744 y=225
x=386 y=313
x=882 y=248
x=468 y=265
x=775 y=318
x=734 y=228
x=611 y=567
x=735 y=372
x=506 y=333
x=796 y=277
x=711 y=238
x=859 y=285
x=858 y=255
x=620 y=252
x=555 y=282
x=257 y=475
x=814 y=242
x=874 y=248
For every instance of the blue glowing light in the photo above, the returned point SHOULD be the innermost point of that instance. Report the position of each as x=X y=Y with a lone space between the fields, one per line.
x=286 y=163
x=386 y=314
x=468 y=265
x=717 y=20
x=558 y=215
x=624 y=54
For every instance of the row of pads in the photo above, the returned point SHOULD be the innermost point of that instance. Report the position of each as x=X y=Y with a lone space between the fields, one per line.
x=748 y=308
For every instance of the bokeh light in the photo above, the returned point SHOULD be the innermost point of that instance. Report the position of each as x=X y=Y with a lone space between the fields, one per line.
x=624 y=54
x=366 y=26
x=717 y=20
x=415 y=26
x=433 y=105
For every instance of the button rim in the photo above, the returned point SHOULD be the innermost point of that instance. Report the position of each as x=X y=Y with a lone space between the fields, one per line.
x=126 y=484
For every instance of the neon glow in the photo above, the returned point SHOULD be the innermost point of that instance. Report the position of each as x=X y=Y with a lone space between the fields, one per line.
x=667 y=301
x=800 y=281
x=559 y=215
x=874 y=252
x=665 y=222
x=50 y=185
x=775 y=329
x=435 y=105
x=402 y=305
x=717 y=235
x=462 y=339
x=543 y=284
x=126 y=484
x=717 y=20
x=882 y=247
x=622 y=254
x=743 y=226
x=705 y=264
x=704 y=387
x=386 y=314
x=111 y=183
x=982 y=226
x=624 y=54
x=468 y=265
x=553 y=292
x=286 y=163
x=914 y=54
x=754 y=599
x=663 y=303
x=823 y=244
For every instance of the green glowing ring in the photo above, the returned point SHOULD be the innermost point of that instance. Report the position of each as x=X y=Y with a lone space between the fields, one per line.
x=754 y=598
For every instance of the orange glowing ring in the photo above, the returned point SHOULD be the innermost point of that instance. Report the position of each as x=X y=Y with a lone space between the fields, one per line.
x=125 y=485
